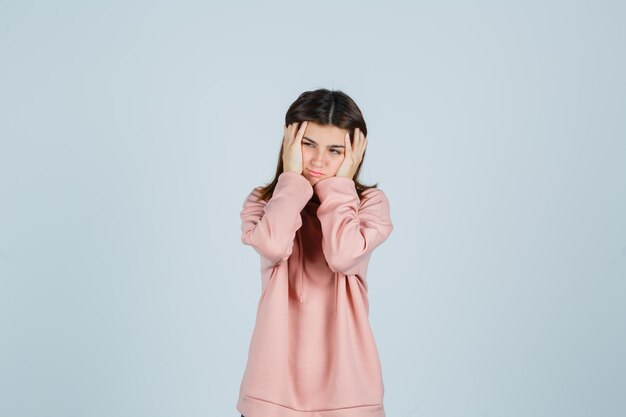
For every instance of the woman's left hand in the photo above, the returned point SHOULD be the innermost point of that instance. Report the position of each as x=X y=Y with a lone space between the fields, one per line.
x=353 y=155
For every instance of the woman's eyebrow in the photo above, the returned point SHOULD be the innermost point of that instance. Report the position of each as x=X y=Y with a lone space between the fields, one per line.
x=330 y=146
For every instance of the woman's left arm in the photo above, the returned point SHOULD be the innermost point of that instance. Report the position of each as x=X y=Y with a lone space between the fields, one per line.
x=351 y=228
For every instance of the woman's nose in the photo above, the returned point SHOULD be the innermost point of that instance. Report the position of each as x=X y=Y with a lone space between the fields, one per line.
x=318 y=158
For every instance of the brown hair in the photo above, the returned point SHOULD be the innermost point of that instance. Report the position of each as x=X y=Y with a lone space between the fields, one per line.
x=324 y=107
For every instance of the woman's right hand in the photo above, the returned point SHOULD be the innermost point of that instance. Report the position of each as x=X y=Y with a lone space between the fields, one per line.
x=292 y=147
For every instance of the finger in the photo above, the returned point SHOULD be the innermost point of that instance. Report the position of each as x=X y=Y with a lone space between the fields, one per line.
x=292 y=135
x=356 y=146
x=348 y=144
x=301 y=131
x=359 y=135
x=363 y=139
x=360 y=145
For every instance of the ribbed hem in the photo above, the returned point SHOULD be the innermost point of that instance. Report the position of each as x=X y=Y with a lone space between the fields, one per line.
x=255 y=407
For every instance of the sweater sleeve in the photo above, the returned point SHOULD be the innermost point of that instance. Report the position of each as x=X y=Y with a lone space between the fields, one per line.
x=270 y=226
x=351 y=228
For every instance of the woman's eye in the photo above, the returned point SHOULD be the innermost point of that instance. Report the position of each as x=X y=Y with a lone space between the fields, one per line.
x=308 y=144
x=335 y=151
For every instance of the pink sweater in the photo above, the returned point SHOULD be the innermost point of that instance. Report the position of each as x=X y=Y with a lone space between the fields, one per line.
x=312 y=352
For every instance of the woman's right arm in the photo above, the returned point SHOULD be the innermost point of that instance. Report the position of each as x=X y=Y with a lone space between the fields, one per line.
x=270 y=226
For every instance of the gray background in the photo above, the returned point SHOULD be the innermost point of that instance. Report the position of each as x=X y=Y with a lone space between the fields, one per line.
x=131 y=133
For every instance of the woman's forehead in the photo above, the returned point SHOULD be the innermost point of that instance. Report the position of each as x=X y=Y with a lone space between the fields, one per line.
x=325 y=135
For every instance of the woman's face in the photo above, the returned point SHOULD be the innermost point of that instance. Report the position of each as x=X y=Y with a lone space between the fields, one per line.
x=323 y=151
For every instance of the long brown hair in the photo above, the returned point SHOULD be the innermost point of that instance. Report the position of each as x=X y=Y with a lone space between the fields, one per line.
x=324 y=107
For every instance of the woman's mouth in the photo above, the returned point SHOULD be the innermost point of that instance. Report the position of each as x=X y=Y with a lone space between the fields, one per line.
x=315 y=173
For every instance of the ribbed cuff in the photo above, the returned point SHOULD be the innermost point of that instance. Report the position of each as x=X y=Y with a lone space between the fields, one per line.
x=330 y=185
x=293 y=180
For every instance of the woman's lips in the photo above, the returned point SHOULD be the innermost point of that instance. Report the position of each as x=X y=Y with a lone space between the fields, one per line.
x=315 y=173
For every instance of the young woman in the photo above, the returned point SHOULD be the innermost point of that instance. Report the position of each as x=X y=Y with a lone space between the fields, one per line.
x=312 y=351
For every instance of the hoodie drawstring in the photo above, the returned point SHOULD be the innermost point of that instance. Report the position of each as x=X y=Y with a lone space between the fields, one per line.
x=300 y=283
x=336 y=290
x=300 y=269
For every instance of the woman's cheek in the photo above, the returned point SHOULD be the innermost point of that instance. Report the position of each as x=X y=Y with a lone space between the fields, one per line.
x=305 y=154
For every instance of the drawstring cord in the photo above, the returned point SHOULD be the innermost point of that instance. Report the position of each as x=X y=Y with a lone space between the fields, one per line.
x=300 y=267
x=300 y=282
x=336 y=277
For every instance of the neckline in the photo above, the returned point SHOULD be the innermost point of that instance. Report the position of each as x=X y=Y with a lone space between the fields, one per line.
x=314 y=200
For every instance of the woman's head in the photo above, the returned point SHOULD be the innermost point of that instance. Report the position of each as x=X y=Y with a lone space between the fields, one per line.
x=330 y=114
